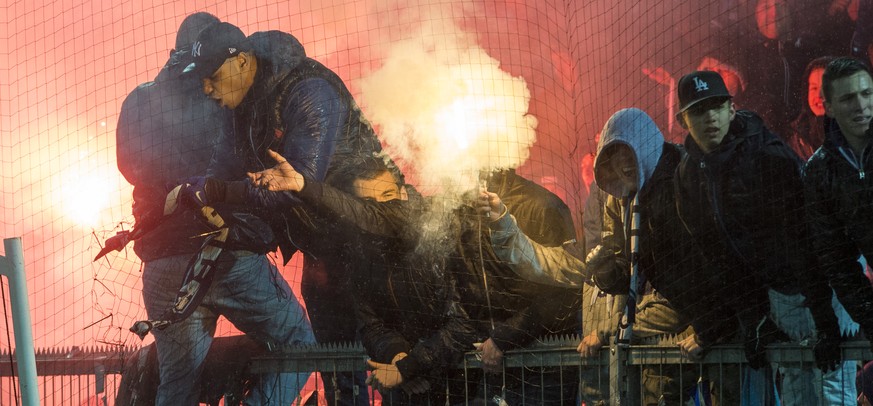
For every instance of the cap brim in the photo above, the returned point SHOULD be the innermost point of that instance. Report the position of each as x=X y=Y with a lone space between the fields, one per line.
x=202 y=69
x=724 y=96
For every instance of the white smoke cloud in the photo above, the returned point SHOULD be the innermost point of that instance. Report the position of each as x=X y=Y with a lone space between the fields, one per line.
x=446 y=110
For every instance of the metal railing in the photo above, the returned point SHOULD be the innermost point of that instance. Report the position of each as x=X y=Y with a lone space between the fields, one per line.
x=560 y=352
x=91 y=376
x=68 y=376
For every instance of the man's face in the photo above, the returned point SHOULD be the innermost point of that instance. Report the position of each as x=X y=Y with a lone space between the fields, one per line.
x=230 y=83
x=851 y=103
x=382 y=188
x=709 y=121
x=620 y=168
x=813 y=93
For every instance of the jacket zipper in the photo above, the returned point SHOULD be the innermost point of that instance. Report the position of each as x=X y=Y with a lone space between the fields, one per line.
x=719 y=221
x=858 y=164
x=713 y=198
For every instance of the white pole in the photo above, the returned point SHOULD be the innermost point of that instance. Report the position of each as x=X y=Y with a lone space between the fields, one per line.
x=12 y=266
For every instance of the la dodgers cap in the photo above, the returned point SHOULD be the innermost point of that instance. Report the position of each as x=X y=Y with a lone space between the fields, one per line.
x=698 y=86
x=213 y=46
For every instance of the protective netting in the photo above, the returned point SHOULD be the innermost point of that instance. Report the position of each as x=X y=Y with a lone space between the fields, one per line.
x=450 y=87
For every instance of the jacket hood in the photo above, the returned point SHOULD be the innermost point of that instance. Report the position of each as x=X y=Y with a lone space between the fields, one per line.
x=281 y=52
x=634 y=128
x=746 y=126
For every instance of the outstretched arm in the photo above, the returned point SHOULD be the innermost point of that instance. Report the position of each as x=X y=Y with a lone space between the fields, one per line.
x=554 y=266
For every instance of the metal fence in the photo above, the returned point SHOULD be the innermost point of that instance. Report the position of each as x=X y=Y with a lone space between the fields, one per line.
x=549 y=372
x=619 y=375
x=68 y=376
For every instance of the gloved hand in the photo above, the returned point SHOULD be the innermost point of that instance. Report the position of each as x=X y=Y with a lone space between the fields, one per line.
x=764 y=333
x=199 y=191
x=607 y=271
x=828 y=355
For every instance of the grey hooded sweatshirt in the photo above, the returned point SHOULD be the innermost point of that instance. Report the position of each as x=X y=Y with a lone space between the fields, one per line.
x=560 y=266
x=655 y=160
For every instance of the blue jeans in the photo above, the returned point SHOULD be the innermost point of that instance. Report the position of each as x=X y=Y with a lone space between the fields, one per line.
x=251 y=295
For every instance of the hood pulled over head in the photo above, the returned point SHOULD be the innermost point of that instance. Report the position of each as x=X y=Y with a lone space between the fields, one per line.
x=633 y=128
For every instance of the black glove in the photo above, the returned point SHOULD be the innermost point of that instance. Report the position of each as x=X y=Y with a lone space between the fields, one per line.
x=604 y=269
x=828 y=355
x=764 y=333
x=199 y=191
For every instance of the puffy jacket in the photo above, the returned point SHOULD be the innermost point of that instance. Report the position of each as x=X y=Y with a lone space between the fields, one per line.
x=302 y=110
x=839 y=195
x=743 y=206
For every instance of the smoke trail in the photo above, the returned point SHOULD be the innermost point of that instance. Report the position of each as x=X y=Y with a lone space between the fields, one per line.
x=446 y=110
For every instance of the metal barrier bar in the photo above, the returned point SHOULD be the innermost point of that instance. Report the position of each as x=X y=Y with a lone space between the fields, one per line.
x=74 y=361
x=348 y=357
x=12 y=266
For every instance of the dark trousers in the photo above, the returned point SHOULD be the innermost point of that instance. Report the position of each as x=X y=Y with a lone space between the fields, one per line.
x=331 y=312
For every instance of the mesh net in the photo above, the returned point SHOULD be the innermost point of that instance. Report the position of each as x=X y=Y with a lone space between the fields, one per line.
x=451 y=87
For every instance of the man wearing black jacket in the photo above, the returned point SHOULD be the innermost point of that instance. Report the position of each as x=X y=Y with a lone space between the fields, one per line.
x=288 y=102
x=506 y=312
x=740 y=197
x=408 y=308
x=838 y=189
x=165 y=131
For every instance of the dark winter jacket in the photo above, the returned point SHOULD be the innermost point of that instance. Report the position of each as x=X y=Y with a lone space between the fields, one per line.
x=516 y=307
x=839 y=194
x=743 y=206
x=302 y=110
x=405 y=299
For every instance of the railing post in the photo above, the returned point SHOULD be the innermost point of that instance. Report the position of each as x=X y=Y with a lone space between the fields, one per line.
x=12 y=266
x=618 y=364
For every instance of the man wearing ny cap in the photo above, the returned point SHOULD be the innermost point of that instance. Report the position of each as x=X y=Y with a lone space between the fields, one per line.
x=166 y=131
x=739 y=195
x=284 y=101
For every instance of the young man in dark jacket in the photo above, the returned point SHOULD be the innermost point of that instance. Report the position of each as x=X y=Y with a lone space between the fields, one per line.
x=164 y=134
x=285 y=101
x=407 y=306
x=740 y=197
x=838 y=189
x=506 y=312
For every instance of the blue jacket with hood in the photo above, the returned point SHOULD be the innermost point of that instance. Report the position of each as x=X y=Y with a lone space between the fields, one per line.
x=302 y=110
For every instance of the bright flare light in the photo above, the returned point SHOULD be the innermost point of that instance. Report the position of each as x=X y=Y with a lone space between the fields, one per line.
x=459 y=122
x=85 y=196
x=447 y=111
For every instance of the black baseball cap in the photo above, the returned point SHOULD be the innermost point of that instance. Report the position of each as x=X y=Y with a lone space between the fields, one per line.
x=698 y=86
x=213 y=46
